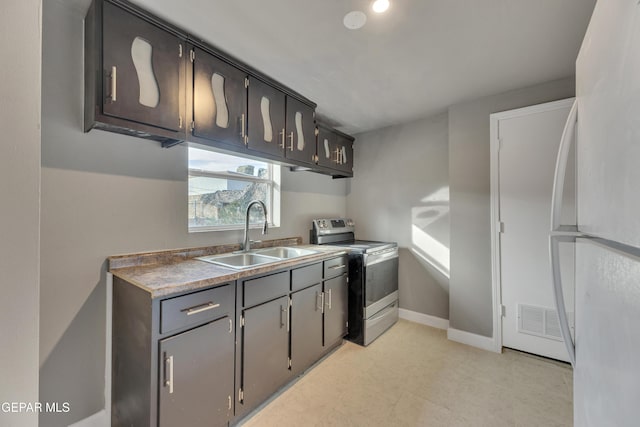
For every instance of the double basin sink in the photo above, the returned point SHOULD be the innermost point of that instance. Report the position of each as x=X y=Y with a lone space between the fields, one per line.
x=240 y=261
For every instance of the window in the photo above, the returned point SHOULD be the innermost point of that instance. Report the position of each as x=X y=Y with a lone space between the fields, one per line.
x=221 y=187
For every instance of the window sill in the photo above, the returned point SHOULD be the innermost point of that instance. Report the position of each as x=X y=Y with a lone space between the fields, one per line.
x=229 y=228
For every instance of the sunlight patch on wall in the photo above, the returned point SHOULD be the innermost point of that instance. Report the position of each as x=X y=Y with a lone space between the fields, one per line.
x=430 y=230
x=440 y=195
x=430 y=250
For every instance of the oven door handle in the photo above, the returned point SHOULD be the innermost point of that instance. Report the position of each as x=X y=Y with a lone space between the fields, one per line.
x=371 y=259
x=384 y=312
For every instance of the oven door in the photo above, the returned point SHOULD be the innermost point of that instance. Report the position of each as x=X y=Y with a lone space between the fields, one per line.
x=381 y=280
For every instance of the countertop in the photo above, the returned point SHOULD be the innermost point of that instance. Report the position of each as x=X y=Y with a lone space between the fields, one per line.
x=165 y=273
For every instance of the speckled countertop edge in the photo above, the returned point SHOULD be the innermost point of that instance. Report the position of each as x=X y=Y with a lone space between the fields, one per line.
x=176 y=255
x=173 y=273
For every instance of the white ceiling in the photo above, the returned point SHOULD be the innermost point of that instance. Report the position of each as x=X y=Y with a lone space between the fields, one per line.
x=413 y=61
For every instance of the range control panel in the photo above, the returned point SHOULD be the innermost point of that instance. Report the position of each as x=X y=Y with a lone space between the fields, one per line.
x=333 y=226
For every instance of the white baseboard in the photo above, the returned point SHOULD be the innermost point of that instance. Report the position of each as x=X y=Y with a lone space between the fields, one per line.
x=424 y=319
x=474 y=340
x=99 y=419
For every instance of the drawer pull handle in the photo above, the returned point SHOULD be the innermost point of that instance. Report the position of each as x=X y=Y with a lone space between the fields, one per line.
x=337 y=267
x=200 y=308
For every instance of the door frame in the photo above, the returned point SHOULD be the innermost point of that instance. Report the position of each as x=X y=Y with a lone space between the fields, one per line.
x=494 y=154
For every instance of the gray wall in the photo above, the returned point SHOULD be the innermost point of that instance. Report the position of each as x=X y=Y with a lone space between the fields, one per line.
x=20 y=207
x=105 y=194
x=469 y=167
x=400 y=192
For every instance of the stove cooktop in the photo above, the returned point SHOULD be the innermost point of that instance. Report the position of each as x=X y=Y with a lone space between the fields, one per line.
x=366 y=245
x=341 y=232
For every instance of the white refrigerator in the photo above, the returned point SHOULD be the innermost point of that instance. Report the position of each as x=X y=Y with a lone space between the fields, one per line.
x=605 y=127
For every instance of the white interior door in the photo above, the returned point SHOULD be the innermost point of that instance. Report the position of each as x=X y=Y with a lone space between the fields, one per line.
x=528 y=145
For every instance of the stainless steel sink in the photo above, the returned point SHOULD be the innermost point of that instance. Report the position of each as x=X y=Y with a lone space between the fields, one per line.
x=239 y=261
x=283 y=252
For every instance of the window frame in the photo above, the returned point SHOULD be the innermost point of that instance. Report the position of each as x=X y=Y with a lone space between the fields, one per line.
x=273 y=185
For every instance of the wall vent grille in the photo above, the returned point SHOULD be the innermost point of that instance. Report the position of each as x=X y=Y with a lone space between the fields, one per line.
x=539 y=321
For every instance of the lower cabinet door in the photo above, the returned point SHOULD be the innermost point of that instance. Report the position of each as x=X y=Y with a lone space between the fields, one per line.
x=306 y=328
x=196 y=376
x=265 y=350
x=335 y=309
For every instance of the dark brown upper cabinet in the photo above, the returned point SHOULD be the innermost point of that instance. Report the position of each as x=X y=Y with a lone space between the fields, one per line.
x=134 y=74
x=266 y=132
x=218 y=102
x=147 y=78
x=300 y=139
x=326 y=147
x=344 y=153
x=335 y=151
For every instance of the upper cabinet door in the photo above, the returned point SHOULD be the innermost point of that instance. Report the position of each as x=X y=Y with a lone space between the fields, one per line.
x=266 y=108
x=326 y=148
x=141 y=70
x=343 y=154
x=300 y=132
x=335 y=151
x=219 y=99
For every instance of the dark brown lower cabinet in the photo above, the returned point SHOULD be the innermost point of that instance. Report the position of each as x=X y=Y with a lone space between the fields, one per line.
x=335 y=310
x=306 y=328
x=182 y=361
x=196 y=371
x=265 y=350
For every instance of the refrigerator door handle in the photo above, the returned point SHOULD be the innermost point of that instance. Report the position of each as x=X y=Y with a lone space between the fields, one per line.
x=562 y=233
x=556 y=280
x=568 y=136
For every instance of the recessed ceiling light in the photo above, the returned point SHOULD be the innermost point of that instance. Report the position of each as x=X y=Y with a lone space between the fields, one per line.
x=354 y=20
x=380 y=6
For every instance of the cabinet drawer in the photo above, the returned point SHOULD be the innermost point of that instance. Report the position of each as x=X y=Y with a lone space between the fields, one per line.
x=306 y=276
x=257 y=291
x=335 y=267
x=195 y=308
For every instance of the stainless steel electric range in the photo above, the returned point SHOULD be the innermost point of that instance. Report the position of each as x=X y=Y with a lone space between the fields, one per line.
x=373 y=278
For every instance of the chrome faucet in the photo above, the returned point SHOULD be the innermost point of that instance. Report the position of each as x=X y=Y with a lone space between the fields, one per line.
x=246 y=245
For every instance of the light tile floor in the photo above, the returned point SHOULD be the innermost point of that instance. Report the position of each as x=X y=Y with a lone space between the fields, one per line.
x=414 y=376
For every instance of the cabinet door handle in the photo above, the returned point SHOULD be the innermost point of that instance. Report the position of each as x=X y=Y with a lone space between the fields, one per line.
x=322 y=303
x=243 y=132
x=169 y=367
x=318 y=296
x=282 y=310
x=291 y=140
x=288 y=318
x=283 y=135
x=329 y=299
x=200 y=308
x=114 y=83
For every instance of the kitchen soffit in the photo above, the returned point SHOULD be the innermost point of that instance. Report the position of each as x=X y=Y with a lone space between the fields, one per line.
x=415 y=60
